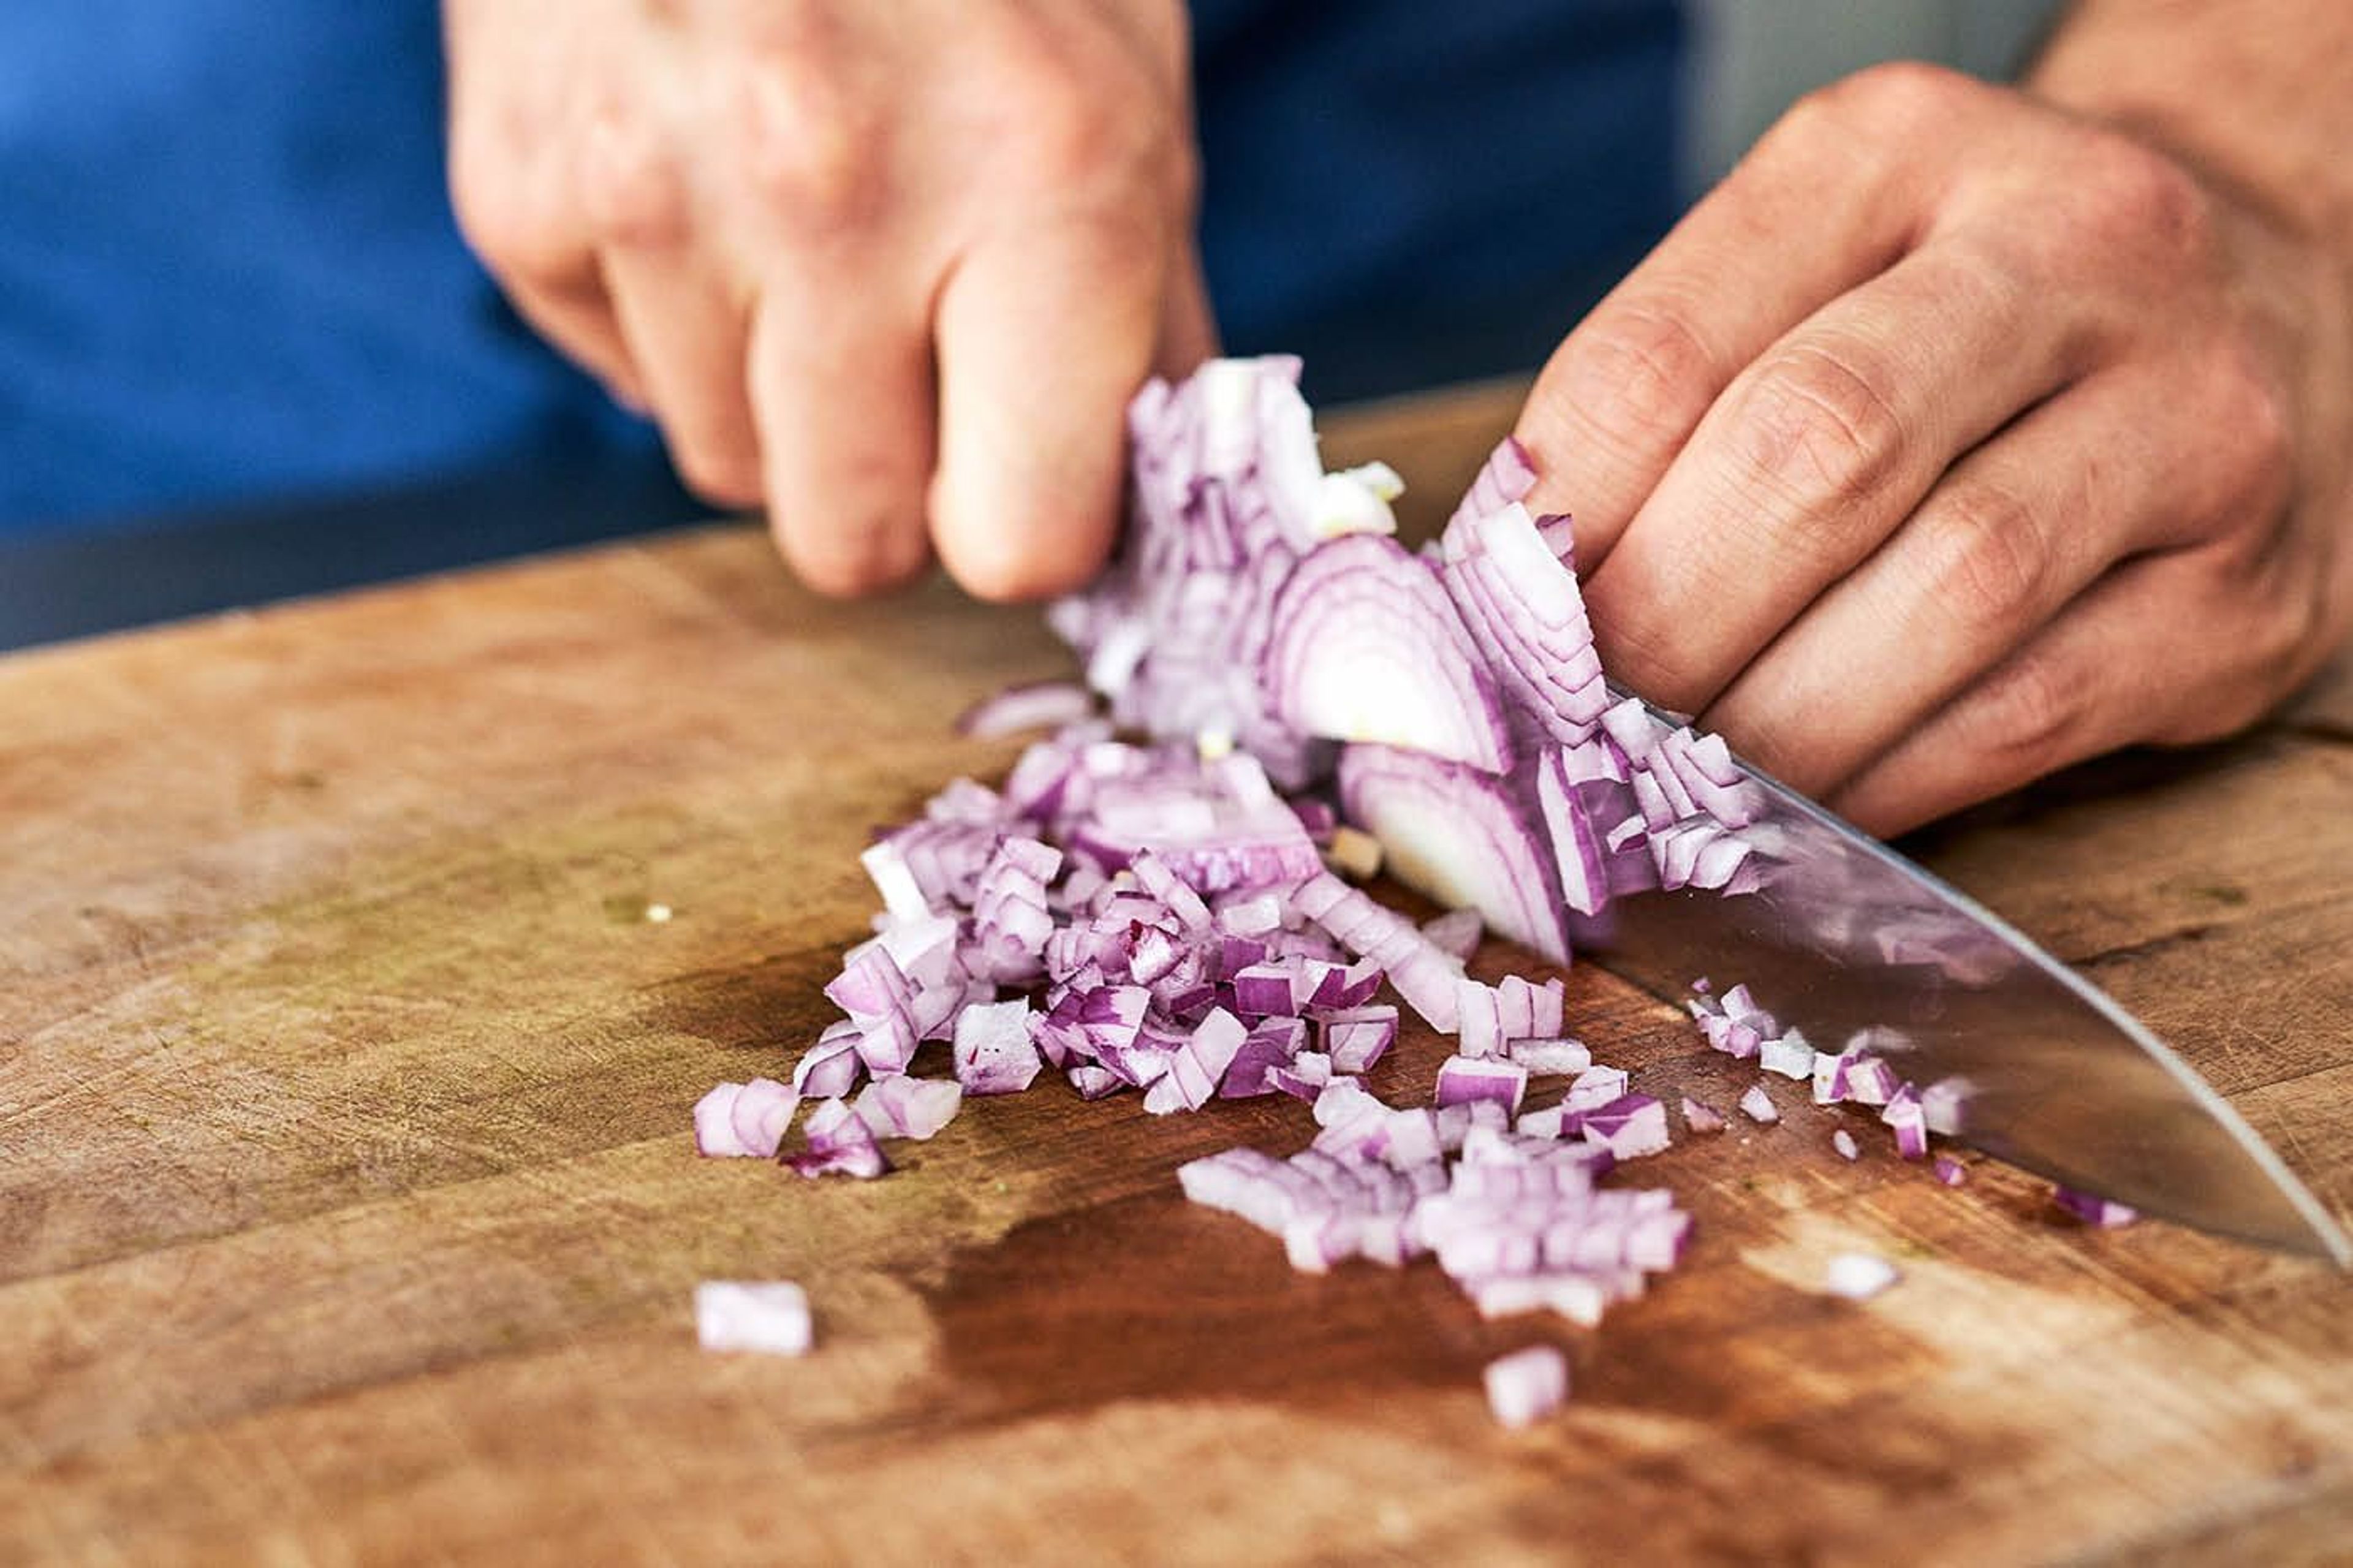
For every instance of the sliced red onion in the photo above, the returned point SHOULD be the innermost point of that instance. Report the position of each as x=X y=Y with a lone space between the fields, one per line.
x=1458 y=835
x=740 y=1315
x=1790 y=1054
x=1043 y=705
x=907 y=1107
x=1701 y=1118
x=839 y=1144
x=1595 y=1088
x=1365 y=646
x=1505 y=476
x=1630 y=1126
x=1758 y=1107
x=828 y=1069
x=1910 y=1122
x=1196 y=1067
x=1858 y=1276
x=760 y=1115
x=1941 y=1103
x=2093 y=1210
x=993 y=1051
x=1457 y=931
x=1549 y=1057
x=1461 y=1080
x=1357 y=1038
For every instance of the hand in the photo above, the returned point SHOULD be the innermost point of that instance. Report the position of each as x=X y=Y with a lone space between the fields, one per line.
x=870 y=264
x=1954 y=438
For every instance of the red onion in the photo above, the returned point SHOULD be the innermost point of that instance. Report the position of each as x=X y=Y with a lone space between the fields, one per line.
x=735 y=1315
x=1527 y=1385
x=2093 y=1210
x=1858 y=1276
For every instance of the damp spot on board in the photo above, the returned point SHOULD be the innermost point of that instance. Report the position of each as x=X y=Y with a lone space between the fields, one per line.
x=1151 y=1297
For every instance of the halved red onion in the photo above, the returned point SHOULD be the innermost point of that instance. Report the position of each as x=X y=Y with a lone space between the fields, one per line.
x=1458 y=835
x=1365 y=646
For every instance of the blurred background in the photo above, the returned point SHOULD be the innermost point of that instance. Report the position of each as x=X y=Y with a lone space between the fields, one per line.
x=243 y=355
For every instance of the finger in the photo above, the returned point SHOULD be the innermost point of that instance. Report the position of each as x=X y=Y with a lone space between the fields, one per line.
x=513 y=88
x=1813 y=456
x=2150 y=652
x=843 y=392
x=1189 y=326
x=1042 y=341
x=572 y=308
x=2011 y=535
x=1810 y=213
x=685 y=331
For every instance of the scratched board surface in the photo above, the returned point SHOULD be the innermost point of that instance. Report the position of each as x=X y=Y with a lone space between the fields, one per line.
x=349 y=1210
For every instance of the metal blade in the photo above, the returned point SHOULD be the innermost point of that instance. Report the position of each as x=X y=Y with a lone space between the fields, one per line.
x=1846 y=934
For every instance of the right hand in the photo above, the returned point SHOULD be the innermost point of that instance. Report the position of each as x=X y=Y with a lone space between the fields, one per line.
x=890 y=270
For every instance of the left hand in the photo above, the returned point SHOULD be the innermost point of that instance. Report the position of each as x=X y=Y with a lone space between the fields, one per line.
x=1954 y=438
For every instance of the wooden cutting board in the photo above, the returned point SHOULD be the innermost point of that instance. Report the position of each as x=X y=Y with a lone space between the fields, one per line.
x=349 y=1210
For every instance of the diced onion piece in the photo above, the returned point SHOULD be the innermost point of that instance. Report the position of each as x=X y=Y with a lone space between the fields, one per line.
x=1701 y=1118
x=2093 y=1210
x=737 y=1315
x=1527 y=1385
x=1758 y=1106
x=1858 y=1276
x=1843 y=1142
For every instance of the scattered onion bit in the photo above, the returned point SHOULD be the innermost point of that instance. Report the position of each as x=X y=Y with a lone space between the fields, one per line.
x=1843 y=1142
x=1758 y=1106
x=1950 y=1171
x=1527 y=1385
x=1859 y=1276
x=735 y=1315
x=2103 y=1212
x=1701 y=1118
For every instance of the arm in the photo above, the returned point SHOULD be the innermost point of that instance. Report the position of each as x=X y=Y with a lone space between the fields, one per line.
x=892 y=269
x=1964 y=433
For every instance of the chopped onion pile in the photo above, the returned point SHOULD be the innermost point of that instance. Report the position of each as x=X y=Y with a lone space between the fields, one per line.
x=1164 y=917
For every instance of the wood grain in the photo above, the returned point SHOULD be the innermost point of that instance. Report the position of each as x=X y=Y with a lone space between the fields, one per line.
x=348 y=1212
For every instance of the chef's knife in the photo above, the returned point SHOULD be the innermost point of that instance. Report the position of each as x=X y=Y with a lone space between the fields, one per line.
x=1845 y=935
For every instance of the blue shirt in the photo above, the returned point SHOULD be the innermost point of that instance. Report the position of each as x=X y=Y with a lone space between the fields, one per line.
x=229 y=269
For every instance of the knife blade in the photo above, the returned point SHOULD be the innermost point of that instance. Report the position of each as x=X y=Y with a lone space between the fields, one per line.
x=1845 y=935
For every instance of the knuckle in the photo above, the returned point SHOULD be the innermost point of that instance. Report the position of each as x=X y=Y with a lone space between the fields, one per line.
x=813 y=146
x=2131 y=195
x=1888 y=98
x=2033 y=712
x=1079 y=114
x=1988 y=563
x=1636 y=371
x=1819 y=424
x=631 y=190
